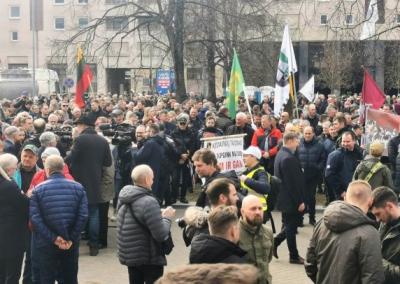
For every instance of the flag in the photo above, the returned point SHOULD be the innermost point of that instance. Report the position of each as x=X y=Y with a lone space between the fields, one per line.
x=371 y=93
x=236 y=86
x=308 y=90
x=385 y=120
x=84 y=78
x=368 y=28
x=284 y=85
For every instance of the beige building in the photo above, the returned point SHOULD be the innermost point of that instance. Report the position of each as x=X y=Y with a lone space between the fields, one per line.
x=130 y=62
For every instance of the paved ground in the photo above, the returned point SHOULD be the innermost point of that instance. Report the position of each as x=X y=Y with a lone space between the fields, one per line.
x=105 y=268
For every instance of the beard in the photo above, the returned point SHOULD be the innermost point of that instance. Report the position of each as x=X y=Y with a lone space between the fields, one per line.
x=257 y=221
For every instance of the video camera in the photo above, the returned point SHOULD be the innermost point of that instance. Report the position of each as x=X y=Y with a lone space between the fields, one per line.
x=122 y=134
x=64 y=133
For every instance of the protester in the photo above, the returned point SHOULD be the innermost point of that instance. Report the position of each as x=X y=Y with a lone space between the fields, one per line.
x=385 y=207
x=89 y=154
x=221 y=245
x=255 y=237
x=58 y=212
x=14 y=209
x=241 y=127
x=291 y=195
x=141 y=227
x=345 y=246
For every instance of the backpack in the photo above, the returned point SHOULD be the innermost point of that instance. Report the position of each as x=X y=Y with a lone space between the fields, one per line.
x=275 y=185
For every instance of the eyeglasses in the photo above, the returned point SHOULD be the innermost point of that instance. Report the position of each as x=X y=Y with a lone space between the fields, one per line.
x=65 y=106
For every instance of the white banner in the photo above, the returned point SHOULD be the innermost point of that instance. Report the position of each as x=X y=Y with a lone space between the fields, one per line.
x=229 y=152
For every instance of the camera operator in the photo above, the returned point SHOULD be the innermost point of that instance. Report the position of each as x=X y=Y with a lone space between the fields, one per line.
x=39 y=126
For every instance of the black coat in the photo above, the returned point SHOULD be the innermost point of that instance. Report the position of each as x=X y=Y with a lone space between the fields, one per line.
x=287 y=167
x=212 y=249
x=185 y=141
x=14 y=211
x=233 y=129
x=89 y=154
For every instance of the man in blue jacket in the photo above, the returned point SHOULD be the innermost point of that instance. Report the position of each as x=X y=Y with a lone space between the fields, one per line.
x=58 y=212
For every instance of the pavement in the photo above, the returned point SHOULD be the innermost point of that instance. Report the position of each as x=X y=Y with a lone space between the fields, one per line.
x=106 y=269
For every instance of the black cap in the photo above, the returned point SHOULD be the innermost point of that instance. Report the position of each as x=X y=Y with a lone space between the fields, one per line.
x=84 y=119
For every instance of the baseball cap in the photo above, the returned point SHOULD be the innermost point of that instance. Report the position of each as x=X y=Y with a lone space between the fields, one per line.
x=32 y=148
x=254 y=151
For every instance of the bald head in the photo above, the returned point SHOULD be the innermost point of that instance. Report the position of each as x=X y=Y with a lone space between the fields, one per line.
x=54 y=164
x=252 y=210
x=359 y=194
x=142 y=175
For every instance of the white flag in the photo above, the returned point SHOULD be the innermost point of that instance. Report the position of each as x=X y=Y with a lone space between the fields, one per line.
x=286 y=68
x=308 y=90
x=368 y=28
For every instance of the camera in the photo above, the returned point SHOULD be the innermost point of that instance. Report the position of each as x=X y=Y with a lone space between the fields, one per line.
x=181 y=222
x=122 y=134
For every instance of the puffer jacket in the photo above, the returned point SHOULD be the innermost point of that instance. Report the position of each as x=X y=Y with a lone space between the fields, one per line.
x=344 y=248
x=135 y=244
x=58 y=207
x=212 y=249
x=312 y=158
x=258 y=242
x=382 y=177
x=390 y=240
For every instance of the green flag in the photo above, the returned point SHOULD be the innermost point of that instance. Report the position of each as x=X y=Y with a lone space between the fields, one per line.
x=236 y=86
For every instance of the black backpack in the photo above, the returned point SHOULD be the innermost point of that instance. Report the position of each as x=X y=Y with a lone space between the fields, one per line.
x=275 y=185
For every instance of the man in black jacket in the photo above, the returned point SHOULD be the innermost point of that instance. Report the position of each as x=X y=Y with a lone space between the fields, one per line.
x=291 y=195
x=221 y=245
x=89 y=154
x=386 y=210
x=241 y=127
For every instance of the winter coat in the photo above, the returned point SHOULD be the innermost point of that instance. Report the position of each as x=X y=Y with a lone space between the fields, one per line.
x=137 y=246
x=396 y=175
x=185 y=141
x=390 y=242
x=260 y=140
x=383 y=177
x=258 y=242
x=340 y=168
x=223 y=122
x=10 y=147
x=89 y=154
x=152 y=153
x=288 y=169
x=233 y=130
x=14 y=209
x=312 y=158
x=393 y=151
x=40 y=176
x=195 y=219
x=107 y=184
x=211 y=249
x=329 y=145
x=58 y=207
x=344 y=248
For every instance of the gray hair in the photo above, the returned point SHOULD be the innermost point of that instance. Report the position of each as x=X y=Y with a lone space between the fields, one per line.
x=10 y=131
x=139 y=173
x=54 y=163
x=7 y=161
x=47 y=139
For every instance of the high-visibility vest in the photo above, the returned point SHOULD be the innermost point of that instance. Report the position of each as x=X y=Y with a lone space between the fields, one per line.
x=263 y=198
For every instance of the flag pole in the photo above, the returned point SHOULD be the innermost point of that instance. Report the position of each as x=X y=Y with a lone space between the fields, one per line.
x=90 y=85
x=295 y=95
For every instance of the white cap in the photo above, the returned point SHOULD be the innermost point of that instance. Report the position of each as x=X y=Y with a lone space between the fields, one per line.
x=254 y=151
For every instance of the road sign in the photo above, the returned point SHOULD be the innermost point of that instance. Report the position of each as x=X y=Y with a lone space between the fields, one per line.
x=69 y=82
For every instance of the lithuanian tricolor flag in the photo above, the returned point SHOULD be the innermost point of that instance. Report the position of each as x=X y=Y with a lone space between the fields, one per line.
x=84 y=78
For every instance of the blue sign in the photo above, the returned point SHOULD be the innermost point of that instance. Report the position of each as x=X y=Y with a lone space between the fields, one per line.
x=69 y=82
x=165 y=81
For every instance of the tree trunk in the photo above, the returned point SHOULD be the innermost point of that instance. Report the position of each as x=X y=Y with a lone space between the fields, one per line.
x=211 y=53
x=179 y=64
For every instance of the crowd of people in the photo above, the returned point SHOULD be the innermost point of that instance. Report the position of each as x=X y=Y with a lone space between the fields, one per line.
x=62 y=167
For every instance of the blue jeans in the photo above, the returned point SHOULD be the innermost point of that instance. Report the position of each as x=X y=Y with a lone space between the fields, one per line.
x=93 y=225
x=55 y=264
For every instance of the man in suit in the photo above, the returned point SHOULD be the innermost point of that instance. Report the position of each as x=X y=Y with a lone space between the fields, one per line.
x=89 y=154
x=291 y=195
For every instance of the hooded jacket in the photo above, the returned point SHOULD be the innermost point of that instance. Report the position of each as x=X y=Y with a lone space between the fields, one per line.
x=344 y=248
x=137 y=246
x=211 y=249
x=382 y=177
x=390 y=240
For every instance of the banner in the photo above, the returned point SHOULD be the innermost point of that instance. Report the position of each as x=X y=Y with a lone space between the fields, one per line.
x=163 y=81
x=228 y=150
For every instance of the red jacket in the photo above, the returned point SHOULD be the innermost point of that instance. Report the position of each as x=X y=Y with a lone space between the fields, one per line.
x=274 y=136
x=40 y=176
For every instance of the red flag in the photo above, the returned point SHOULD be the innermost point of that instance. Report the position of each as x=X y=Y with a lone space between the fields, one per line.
x=84 y=78
x=384 y=119
x=371 y=93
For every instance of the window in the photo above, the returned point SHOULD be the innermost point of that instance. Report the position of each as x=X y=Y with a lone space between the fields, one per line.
x=349 y=19
x=17 y=66
x=115 y=2
x=194 y=73
x=83 y=22
x=83 y=2
x=14 y=36
x=59 y=24
x=116 y=23
x=324 y=20
x=15 y=12
x=59 y=2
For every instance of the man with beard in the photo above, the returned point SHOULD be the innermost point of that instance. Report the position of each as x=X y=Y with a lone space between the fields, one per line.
x=255 y=238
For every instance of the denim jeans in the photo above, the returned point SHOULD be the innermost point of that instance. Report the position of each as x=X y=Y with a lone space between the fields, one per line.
x=55 y=264
x=93 y=225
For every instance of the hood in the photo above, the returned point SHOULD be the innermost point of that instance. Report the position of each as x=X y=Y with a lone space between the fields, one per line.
x=196 y=216
x=368 y=163
x=340 y=216
x=211 y=249
x=130 y=193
